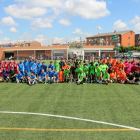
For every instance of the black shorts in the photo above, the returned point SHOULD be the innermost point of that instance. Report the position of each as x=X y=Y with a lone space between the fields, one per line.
x=137 y=80
x=5 y=77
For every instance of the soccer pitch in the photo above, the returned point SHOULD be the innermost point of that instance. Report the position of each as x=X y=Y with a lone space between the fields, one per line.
x=115 y=103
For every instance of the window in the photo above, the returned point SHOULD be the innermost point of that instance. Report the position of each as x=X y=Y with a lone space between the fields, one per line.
x=128 y=37
x=128 y=44
x=110 y=43
x=89 y=39
x=110 y=37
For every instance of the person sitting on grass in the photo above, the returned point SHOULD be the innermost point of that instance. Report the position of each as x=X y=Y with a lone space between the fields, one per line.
x=42 y=77
x=130 y=78
x=121 y=77
x=81 y=78
x=113 y=78
x=32 y=79
x=5 y=75
x=49 y=74
x=98 y=74
x=55 y=76
x=137 y=77
x=106 y=78
x=12 y=75
x=26 y=76
x=66 y=75
x=19 y=77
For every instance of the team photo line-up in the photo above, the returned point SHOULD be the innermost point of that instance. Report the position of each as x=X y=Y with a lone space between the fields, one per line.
x=72 y=70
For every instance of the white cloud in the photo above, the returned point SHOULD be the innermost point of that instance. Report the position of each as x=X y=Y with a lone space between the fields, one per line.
x=8 y=21
x=13 y=29
x=64 y=22
x=119 y=25
x=42 y=23
x=99 y=28
x=77 y=32
x=34 y=29
x=91 y=9
x=1 y=31
x=21 y=11
x=137 y=28
x=135 y=20
x=42 y=3
x=25 y=37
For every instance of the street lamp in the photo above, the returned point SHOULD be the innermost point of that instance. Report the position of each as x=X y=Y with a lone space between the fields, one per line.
x=99 y=42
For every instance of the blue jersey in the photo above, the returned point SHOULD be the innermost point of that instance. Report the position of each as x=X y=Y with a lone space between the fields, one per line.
x=33 y=66
x=44 y=67
x=26 y=74
x=56 y=74
x=50 y=74
x=51 y=66
x=19 y=76
x=43 y=75
x=30 y=64
x=32 y=77
x=26 y=65
x=20 y=65
x=36 y=63
x=39 y=67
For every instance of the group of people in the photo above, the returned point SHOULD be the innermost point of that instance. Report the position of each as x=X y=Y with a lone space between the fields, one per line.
x=72 y=70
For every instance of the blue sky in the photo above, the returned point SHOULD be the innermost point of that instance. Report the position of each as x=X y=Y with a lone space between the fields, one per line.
x=58 y=20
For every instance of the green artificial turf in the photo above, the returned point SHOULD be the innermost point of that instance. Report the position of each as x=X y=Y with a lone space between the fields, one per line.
x=114 y=103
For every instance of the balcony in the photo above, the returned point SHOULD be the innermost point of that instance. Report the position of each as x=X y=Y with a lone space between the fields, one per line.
x=115 y=40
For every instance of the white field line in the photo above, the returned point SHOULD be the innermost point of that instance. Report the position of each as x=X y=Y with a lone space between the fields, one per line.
x=73 y=118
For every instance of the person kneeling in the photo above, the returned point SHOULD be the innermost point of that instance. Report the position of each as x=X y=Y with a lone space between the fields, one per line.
x=130 y=78
x=12 y=75
x=19 y=77
x=106 y=78
x=26 y=76
x=32 y=79
x=81 y=78
x=42 y=77
x=137 y=77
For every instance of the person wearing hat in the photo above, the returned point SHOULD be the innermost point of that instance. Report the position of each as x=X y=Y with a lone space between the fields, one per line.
x=12 y=75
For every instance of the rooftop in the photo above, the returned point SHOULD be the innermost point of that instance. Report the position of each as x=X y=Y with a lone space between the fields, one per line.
x=111 y=33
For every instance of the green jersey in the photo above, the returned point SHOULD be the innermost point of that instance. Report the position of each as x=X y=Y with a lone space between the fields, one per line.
x=56 y=66
x=98 y=71
x=81 y=76
x=81 y=66
x=103 y=67
x=95 y=66
x=91 y=68
x=71 y=64
x=85 y=70
x=78 y=70
x=66 y=72
x=107 y=76
x=80 y=60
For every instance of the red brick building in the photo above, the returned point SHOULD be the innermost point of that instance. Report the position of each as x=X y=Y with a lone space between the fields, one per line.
x=125 y=38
